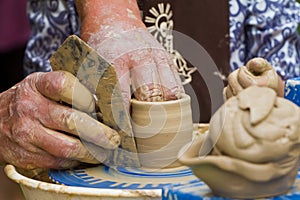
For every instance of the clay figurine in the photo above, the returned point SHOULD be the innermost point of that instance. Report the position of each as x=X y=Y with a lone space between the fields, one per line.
x=252 y=147
x=257 y=71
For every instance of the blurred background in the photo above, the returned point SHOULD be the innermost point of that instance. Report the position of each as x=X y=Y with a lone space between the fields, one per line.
x=14 y=33
x=13 y=38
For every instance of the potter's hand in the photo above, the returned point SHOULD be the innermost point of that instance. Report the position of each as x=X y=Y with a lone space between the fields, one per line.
x=33 y=123
x=258 y=72
x=115 y=30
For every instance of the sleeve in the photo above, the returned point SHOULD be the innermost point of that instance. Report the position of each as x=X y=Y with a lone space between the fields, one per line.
x=267 y=29
x=51 y=22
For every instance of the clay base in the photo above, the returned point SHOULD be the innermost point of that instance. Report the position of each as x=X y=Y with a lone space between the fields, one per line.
x=239 y=188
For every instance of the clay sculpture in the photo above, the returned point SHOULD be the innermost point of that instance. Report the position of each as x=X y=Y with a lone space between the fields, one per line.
x=251 y=148
x=257 y=71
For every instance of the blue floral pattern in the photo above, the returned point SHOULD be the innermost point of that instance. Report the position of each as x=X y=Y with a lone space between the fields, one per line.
x=268 y=29
x=265 y=28
x=51 y=21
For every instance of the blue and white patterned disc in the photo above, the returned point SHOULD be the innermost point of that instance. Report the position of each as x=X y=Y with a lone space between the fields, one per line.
x=122 y=178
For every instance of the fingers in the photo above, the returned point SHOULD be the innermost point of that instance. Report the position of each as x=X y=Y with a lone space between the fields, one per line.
x=45 y=148
x=59 y=117
x=170 y=80
x=36 y=144
x=152 y=72
x=63 y=86
x=154 y=76
x=31 y=158
x=146 y=82
x=63 y=146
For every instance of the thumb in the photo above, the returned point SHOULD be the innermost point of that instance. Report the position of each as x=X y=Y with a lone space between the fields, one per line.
x=63 y=86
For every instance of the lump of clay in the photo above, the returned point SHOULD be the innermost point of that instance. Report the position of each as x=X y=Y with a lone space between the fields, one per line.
x=257 y=71
x=253 y=146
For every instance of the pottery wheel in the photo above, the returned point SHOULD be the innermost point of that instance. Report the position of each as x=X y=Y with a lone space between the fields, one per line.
x=122 y=178
x=127 y=177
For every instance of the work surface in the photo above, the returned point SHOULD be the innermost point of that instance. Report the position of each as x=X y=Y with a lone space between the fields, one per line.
x=198 y=190
x=188 y=186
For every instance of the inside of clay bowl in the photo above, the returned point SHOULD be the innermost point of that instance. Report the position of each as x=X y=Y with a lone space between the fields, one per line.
x=161 y=129
x=235 y=178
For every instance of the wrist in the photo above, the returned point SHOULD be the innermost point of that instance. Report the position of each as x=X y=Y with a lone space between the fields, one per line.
x=101 y=16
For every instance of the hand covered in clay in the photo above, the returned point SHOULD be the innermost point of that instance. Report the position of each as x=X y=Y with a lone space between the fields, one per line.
x=257 y=71
x=36 y=131
x=115 y=30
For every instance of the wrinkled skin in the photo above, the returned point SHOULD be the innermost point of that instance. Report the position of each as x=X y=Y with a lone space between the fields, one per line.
x=257 y=71
x=32 y=122
x=114 y=28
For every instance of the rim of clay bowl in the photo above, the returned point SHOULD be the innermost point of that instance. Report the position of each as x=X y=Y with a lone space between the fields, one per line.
x=188 y=154
x=12 y=173
x=184 y=97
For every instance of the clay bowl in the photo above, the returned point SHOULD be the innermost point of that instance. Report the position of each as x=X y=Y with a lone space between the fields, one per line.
x=161 y=129
x=233 y=178
x=34 y=188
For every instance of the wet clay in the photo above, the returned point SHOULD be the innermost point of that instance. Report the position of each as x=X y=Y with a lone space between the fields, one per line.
x=257 y=71
x=252 y=147
x=161 y=129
